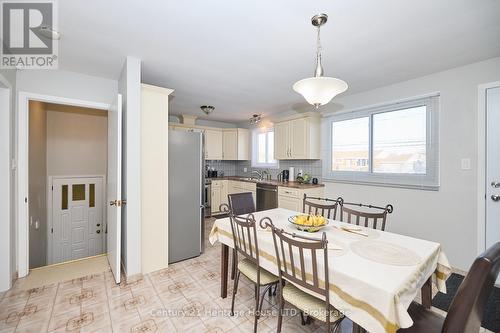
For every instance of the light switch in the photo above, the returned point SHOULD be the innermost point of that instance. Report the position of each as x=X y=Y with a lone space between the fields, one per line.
x=245 y=169
x=37 y=225
x=465 y=163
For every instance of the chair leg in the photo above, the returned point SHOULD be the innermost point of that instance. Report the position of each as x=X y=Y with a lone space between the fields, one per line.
x=234 y=264
x=281 y=307
x=257 y=314
x=262 y=298
x=235 y=289
x=302 y=319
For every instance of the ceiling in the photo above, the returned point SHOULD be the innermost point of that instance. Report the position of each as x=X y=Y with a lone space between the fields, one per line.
x=243 y=56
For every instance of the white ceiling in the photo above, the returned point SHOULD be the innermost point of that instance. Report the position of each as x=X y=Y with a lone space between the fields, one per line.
x=243 y=56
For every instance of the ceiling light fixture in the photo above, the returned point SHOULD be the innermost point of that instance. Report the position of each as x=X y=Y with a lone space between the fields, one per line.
x=256 y=118
x=319 y=90
x=207 y=109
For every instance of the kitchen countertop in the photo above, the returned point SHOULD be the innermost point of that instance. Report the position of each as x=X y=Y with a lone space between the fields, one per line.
x=269 y=182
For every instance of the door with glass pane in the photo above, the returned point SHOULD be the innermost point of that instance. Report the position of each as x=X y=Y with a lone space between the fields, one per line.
x=77 y=218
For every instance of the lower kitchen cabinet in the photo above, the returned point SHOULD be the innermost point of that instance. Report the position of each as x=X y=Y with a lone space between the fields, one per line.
x=292 y=198
x=221 y=188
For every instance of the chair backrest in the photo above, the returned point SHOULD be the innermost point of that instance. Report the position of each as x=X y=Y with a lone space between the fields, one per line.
x=241 y=203
x=297 y=256
x=321 y=206
x=466 y=311
x=376 y=218
x=245 y=238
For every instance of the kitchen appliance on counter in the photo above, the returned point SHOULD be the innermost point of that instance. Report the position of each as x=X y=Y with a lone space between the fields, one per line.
x=186 y=185
x=267 y=196
x=285 y=175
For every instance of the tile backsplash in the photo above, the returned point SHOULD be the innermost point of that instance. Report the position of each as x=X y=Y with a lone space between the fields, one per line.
x=227 y=167
x=236 y=168
x=312 y=167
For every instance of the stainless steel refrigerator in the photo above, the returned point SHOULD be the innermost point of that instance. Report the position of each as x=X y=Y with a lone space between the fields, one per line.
x=186 y=186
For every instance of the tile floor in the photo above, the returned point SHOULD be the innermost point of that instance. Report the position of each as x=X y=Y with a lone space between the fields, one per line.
x=183 y=297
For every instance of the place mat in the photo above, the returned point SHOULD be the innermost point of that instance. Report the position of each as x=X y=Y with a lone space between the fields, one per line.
x=371 y=233
x=385 y=253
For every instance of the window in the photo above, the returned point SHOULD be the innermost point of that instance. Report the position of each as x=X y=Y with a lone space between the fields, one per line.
x=263 y=149
x=394 y=145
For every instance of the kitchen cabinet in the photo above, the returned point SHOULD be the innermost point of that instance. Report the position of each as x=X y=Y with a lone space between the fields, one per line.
x=219 y=192
x=292 y=198
x=216 y=197
x=230 y=145
x=236 y=144
x=297 y=139
x=213 y=144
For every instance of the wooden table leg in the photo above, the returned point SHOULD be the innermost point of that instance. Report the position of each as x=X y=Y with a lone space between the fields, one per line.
x=357 y=329
x=427 y=294
x=224 y=263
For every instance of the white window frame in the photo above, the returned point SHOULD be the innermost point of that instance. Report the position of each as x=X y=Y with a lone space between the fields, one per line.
x=254 y=163
x=427 y=181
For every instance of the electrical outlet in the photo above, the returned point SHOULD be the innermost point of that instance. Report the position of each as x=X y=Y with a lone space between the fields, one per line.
x=465 y=163
x=245 y=169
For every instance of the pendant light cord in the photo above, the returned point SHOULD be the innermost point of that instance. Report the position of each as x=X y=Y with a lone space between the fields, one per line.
x=319 y=68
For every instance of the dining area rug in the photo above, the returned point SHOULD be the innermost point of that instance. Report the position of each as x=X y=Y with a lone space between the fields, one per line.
x=491 y=320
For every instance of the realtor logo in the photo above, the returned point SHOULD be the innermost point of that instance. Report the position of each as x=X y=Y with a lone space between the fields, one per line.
x=29 y=37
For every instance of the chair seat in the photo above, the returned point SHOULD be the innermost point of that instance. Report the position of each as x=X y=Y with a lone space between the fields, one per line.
x=311 y=305
x=249 y=269
x=424 y=321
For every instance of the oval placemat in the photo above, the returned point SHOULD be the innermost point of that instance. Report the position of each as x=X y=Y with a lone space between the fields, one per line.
x=385 y=253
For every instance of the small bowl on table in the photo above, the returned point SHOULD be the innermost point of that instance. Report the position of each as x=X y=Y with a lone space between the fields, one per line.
x=308 y=223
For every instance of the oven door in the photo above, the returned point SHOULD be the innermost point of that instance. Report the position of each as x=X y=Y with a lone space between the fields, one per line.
x=208 y=200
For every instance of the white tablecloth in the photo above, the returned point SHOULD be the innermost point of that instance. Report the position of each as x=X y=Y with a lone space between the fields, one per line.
x=374 y=295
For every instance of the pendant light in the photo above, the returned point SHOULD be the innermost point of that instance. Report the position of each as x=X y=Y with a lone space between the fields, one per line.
x=319 y=90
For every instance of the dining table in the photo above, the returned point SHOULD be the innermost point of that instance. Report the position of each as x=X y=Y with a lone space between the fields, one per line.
x=374 y=275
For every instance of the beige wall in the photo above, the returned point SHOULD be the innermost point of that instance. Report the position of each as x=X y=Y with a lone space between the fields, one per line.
x=37 y=184
x=76 y=141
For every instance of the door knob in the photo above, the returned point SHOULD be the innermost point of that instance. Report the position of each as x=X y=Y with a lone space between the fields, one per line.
x=495 y=197
x=98 y=231
x=98 y=225
x=495 y=184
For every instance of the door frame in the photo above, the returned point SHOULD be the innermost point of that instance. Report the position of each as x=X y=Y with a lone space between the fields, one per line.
x=50 y=180
x=22 y=181
x=481 y=164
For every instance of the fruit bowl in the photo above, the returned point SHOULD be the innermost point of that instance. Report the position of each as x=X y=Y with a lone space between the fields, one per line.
x=308 y=223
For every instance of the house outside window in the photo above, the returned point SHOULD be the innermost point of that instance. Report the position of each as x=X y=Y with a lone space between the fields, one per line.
x=263 y=148
x=390 y=145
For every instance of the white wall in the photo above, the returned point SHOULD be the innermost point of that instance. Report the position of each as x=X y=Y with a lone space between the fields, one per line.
x=37 y=184
x=67 y=84
x=76 y=143
x=447 y=216
x=129 y=86
x=8 y=257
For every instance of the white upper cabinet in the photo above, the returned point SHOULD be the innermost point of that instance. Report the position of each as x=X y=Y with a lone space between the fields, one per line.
x=297 y=139
x=230 y=145
x=213 y=144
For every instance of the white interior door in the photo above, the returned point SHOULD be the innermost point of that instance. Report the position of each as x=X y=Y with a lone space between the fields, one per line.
x=113 y=186
x=492 y=167
x=77 y=219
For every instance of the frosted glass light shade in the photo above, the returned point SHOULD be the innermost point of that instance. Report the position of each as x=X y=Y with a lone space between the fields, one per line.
x=319 y=90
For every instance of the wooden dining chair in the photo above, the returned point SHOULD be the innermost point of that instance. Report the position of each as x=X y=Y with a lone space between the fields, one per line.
x=375 y=217
x=239 y=204
x=246 y=244
x=320 y=206
x=294 y=254
x=467 y=308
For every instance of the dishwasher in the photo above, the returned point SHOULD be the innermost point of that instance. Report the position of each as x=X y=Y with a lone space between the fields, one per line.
x=267 y=197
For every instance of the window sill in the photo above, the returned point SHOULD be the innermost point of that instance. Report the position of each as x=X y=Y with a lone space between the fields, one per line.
x=377 y=184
